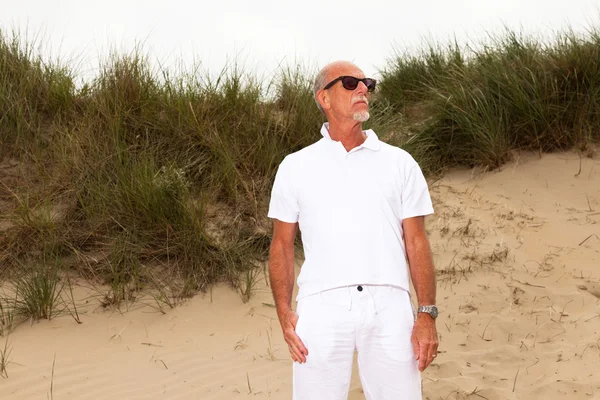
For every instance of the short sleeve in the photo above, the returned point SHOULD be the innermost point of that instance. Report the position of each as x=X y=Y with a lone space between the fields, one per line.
x=284 y=204
x=416 y=200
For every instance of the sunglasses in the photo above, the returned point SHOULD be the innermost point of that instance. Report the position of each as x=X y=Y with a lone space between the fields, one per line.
x=350 y=83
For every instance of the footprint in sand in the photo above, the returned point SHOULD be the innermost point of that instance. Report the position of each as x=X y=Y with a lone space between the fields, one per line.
x=591 y=288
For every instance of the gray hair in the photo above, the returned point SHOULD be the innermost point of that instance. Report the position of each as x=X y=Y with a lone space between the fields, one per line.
x=319 y=83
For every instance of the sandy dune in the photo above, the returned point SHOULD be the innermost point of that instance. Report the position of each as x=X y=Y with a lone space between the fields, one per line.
x=517 y=252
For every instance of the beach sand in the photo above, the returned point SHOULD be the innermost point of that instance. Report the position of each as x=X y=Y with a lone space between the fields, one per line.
x=517 y=254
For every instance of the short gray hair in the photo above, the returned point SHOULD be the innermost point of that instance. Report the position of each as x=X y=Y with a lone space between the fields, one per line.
x=319 y=83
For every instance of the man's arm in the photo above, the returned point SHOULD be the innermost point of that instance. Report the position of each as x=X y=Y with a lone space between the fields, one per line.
x=422 y=273
x=281 y=273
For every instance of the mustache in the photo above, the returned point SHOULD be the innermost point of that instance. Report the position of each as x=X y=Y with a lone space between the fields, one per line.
x=360 y=98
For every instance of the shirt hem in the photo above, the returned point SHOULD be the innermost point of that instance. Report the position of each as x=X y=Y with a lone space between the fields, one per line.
x=423 y=213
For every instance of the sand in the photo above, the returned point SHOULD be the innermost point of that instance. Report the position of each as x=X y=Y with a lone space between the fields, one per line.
x=517 y=253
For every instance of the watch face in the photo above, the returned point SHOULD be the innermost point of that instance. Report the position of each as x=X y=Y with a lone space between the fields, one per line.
x=434 y=312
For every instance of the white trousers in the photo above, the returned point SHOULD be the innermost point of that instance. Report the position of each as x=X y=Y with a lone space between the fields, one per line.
x=376 y=322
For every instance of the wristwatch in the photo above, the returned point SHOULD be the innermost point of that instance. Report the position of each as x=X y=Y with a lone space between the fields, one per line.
x=431 y=310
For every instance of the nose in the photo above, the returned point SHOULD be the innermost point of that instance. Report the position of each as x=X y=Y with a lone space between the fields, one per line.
x=362 y=88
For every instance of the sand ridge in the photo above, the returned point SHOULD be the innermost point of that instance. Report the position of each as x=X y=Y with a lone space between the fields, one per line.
x=516 y=252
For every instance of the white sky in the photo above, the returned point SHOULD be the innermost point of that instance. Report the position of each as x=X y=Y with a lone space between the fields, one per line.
x=263 y=34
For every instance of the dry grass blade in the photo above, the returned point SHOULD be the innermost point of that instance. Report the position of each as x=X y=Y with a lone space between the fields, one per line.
x=52 y=378
x=587 y=238
x=487 y=325
x=248 y=381
x=5 y=358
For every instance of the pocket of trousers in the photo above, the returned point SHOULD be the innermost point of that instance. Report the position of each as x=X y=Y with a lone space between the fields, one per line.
x=397 y=301
x=299 y=312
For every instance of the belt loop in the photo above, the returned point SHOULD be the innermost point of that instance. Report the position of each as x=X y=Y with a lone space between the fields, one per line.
x=373 y=298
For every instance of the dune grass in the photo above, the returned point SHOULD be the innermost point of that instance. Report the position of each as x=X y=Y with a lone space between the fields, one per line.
x=37 y=289
x=37 y=294
x=478 y=105
x=143 y=172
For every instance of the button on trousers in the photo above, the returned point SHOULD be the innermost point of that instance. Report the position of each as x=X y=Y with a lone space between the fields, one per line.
x=377 y=323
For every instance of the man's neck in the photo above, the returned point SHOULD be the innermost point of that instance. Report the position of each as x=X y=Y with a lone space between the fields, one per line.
x=350 y=134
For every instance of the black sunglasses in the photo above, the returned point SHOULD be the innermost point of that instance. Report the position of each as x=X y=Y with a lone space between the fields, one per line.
x=350 y=83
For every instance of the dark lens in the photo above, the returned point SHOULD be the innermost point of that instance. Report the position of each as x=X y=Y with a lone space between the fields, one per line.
x=370 y=83
x=349 y=82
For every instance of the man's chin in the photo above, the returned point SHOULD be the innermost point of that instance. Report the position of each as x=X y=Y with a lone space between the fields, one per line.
x=361 y=116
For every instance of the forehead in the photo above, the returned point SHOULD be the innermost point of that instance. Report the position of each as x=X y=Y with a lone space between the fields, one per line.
x=342 y=69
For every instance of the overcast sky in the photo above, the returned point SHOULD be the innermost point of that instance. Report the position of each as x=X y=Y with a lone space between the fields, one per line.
x=263 y=34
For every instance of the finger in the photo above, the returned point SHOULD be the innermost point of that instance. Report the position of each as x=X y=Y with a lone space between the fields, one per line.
x=301 y=350
x=299 y=344
x=431 y=351
x=435 y=351
x=293 y=338
x=296 y=344
x=297 y=355
x=293 y=354
x=434 y=347
x=430 y=357
x=415 y=344
x=423 y=357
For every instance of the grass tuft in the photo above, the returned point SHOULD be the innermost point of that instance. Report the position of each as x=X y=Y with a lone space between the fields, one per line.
x=38 y=294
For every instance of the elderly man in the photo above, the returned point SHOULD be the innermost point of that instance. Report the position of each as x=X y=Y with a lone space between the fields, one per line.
x=360 y=205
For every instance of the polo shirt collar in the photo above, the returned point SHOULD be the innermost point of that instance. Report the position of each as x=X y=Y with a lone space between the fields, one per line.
x=371 y=143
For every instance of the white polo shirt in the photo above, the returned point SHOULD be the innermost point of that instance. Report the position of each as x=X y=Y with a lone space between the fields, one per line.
x=349 y=207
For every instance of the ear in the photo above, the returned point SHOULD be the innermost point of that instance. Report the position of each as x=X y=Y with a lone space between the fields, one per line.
x=323 y=98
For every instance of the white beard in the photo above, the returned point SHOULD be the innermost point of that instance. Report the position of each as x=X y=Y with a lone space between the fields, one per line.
x=361 y=116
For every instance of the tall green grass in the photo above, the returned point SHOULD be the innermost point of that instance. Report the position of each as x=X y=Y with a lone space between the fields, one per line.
x=150 y=172
x=477 y=105
x=145 y=172
x=34 y=94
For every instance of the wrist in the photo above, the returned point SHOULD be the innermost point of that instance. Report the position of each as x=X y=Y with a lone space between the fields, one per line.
x=282 y=311
x=425 y=317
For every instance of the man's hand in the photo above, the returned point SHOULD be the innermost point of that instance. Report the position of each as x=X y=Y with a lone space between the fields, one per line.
x=425 y=341
x=288 y=320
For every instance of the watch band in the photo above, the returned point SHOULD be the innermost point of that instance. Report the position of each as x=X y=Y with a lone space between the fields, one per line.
x=430 y=309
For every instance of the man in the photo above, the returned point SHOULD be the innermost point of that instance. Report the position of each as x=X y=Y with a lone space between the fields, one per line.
x=360 y=205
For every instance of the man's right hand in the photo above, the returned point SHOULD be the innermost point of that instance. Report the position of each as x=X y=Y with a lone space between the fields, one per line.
x=288 y=320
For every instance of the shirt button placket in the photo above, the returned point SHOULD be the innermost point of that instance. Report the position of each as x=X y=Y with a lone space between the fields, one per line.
x=347 y=167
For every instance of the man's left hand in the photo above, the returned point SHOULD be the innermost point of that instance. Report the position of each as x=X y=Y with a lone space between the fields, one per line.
x=425 y=341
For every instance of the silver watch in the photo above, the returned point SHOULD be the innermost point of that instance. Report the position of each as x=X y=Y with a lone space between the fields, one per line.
x=431 y=310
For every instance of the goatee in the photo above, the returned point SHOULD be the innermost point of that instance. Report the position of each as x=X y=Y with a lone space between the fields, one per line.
x=361 y=116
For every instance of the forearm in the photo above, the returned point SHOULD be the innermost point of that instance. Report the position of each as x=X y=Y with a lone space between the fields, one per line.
x=422 y=271
x=424 y=334
x=281 y=273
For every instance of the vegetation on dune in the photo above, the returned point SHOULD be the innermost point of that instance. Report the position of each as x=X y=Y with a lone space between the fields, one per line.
x=513 y=93
x=140 y=174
